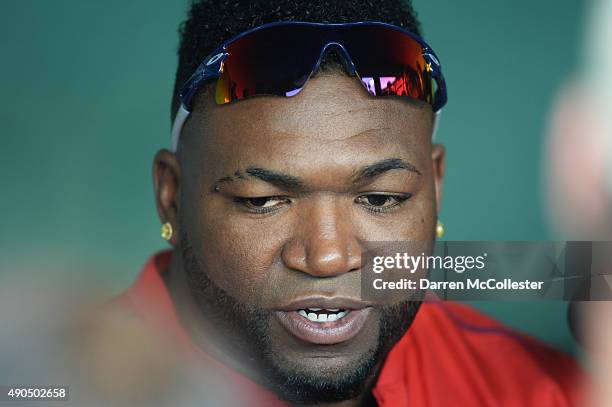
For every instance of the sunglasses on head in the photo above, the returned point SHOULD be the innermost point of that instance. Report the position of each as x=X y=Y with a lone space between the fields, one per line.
x=278 y=58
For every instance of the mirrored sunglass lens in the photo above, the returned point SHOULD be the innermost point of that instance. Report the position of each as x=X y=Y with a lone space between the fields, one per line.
x=272 y=61
x=389 y=62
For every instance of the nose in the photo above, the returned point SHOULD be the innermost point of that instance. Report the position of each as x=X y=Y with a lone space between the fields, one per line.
x=324 y=242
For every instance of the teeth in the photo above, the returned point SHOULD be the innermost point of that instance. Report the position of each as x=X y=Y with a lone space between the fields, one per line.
x=326 y=309
x=322 y=317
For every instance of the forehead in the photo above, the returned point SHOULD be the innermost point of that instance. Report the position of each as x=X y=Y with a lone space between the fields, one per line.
x=332 y=120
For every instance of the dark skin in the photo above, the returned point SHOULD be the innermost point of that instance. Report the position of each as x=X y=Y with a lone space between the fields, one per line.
x=279 y=195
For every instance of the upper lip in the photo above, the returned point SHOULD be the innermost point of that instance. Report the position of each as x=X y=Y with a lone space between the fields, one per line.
x=324 y=302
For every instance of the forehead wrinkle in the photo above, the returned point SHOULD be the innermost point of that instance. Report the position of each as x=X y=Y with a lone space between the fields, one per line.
x=332 y=114
x=288 y=135
x=364 y=133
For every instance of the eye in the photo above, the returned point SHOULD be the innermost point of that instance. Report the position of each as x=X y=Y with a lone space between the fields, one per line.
x=381 y=203
x=263 y=204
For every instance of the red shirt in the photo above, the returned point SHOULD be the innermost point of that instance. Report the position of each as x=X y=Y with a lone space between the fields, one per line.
x=451 y=356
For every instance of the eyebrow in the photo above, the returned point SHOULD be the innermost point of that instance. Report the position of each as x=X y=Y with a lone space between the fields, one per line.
x=380 y=167
x=279 y=179
x=290 y=182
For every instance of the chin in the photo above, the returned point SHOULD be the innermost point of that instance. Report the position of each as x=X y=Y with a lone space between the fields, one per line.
x=304 y=373
x=318 y=379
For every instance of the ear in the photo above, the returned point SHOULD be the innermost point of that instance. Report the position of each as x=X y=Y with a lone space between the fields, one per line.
x=166 y=181
x=438 y=159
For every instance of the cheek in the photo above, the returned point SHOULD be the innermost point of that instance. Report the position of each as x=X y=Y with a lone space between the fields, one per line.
x=236 y=257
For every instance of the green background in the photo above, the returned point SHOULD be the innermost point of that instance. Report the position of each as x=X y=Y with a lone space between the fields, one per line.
x=86 y=88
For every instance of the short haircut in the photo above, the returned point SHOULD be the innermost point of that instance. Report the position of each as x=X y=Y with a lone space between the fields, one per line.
x=210 y=22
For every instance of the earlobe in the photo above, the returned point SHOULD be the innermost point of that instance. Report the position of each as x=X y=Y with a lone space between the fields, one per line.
x=166 y=181
x=438 y=159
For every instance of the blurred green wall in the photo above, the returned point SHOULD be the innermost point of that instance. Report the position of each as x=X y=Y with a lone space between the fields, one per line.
x=86 y=87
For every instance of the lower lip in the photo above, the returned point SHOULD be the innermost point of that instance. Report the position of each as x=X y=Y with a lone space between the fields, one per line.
x=324 y=333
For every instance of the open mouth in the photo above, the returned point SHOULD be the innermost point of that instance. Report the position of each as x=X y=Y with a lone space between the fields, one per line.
x=324 y=325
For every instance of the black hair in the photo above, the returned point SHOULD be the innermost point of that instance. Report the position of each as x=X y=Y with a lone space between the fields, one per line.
x=210 y=22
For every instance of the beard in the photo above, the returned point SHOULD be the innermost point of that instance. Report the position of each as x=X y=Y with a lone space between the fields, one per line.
x=245 y=330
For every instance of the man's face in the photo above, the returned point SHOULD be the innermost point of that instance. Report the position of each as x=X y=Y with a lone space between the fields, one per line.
x=278 y=197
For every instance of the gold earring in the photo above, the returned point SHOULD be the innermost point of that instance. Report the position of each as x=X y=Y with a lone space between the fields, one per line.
x=439 y=229
x=166 y=231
